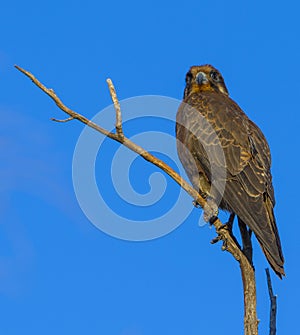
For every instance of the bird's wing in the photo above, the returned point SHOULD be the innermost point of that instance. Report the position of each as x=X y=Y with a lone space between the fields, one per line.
x=249 y=191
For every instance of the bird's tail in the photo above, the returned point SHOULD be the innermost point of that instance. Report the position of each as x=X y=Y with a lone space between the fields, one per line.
x=275 y=265
x=273 y=252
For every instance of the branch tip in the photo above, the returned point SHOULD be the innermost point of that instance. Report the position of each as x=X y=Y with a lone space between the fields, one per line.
x=273 y=303
x=63 y=120
x=113 y=94
x=20 y=69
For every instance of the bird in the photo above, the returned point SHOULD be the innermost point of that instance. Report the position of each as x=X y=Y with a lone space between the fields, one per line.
x=227 y=158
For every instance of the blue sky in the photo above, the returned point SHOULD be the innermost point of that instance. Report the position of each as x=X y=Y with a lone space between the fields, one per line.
x=58 y=273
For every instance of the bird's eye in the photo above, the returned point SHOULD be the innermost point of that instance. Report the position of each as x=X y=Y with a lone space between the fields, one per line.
x=215 y=76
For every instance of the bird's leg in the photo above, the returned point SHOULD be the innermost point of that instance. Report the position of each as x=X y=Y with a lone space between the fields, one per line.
x=246 y=240
x=211 y=210
x=228 y=225
x=203 y=195
x=195 y=203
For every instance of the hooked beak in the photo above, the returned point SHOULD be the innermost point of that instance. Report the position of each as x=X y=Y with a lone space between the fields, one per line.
x=201 y=78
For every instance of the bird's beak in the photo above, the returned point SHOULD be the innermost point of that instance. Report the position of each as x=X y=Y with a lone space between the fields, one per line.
x=201 y=78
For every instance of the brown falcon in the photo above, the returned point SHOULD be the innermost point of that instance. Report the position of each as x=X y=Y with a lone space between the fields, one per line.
x=227 y=157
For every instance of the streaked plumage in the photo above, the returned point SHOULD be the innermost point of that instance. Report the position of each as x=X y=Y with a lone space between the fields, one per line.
x=246 y=161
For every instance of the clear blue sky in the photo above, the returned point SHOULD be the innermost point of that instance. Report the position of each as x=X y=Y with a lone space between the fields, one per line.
x=61 y=275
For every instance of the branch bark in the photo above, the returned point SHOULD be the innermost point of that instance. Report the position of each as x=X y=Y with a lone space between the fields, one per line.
x=229 y=244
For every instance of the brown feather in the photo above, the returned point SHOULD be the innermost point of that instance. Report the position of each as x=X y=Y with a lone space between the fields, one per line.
x=208 y=117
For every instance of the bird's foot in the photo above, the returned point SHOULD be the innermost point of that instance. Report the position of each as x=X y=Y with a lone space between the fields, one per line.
x=196 y=204
x=211 y=211
x=221 y=238
x=216 y=239
x=203 y=195
x=228 y=226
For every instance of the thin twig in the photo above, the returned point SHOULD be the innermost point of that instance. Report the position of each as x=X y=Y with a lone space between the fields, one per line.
x=248 y=277
x=116 y=103
x=63 y=120
x=273 y=307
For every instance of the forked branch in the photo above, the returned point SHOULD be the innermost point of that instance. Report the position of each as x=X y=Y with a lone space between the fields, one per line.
x=229 y=244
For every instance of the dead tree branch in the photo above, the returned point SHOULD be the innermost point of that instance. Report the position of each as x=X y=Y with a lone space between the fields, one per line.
x=64 y=120
x=229 y=244
x=273 y=307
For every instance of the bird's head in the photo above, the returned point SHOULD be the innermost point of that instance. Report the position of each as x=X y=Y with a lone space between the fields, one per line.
x=204 y=78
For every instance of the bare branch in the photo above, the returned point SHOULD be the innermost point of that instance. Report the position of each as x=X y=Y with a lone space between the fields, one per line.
x=273 y=308
x=64 y=120
x=115 y=100
x=125 y=141
x=248 y=277
x=59 y=103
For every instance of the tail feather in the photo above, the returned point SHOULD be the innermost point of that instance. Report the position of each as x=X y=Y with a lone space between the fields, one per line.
x=275 y=265
x=258 y=215
x=276 y=260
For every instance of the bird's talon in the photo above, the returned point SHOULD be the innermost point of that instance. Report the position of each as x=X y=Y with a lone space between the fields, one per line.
x=215 y=240
x=223 y=226
x=224 y=246
x=196 y=204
